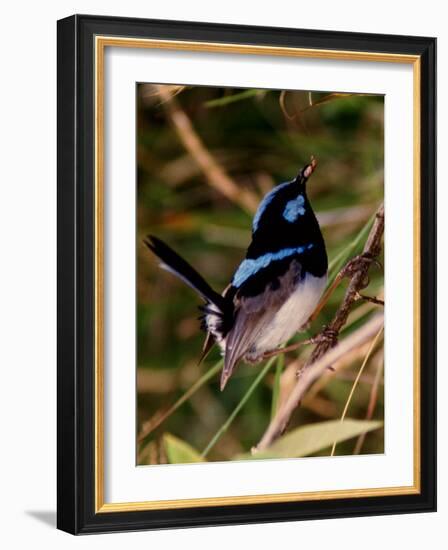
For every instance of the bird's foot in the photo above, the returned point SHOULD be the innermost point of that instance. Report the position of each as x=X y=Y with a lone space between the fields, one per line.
x=252 y=358
x=358 y=263
x=361 y=261
x=327 y=335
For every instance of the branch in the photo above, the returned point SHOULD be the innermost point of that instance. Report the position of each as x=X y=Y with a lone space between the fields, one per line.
x=213 y=171
x=315 y=371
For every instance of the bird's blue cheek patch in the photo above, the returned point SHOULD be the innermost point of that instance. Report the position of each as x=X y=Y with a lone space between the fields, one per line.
x=294 y=209
x=251 y=266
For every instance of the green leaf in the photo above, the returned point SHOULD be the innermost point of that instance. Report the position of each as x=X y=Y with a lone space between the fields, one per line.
x=312 y=438
x=180 y=452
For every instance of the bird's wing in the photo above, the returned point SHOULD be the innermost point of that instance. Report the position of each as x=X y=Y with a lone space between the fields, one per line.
x=242 y=337
x=253 y=316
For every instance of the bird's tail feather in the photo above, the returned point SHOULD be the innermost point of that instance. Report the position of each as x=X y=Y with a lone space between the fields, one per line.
x=172 y=262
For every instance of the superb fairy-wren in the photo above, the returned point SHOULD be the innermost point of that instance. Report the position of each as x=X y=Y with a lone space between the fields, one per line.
x=276 y=287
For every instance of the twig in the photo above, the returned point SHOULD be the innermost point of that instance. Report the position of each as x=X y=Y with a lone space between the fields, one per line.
x=371 y=299
x=215 y=174
x=354 y=340
x=287 y=349
x=282 y=103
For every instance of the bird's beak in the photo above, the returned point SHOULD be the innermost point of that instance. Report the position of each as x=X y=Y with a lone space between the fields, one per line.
x=309 y=168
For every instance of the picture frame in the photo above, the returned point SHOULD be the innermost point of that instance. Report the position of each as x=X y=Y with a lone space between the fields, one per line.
x=82 y=195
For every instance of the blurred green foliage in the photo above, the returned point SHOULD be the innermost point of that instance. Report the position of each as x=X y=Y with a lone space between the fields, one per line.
x=260 y=138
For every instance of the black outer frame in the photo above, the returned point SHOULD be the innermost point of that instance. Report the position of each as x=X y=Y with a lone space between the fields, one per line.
x=75 y=403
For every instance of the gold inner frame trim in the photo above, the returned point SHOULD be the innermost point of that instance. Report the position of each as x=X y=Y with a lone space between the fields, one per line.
x=101 y=42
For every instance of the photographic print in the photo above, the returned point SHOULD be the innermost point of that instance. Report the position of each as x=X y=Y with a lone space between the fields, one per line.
x=246 y=274
x=260 y=227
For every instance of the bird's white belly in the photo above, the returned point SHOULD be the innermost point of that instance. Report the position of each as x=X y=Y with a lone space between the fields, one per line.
x=293 y=314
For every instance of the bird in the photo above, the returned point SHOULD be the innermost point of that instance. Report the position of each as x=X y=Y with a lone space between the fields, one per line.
x=275 y=288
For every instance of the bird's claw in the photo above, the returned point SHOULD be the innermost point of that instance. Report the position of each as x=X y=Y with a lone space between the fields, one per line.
x=327 y=335
x=360 y=261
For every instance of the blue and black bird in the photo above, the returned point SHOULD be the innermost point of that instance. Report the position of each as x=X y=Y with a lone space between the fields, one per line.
x=276 y=287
